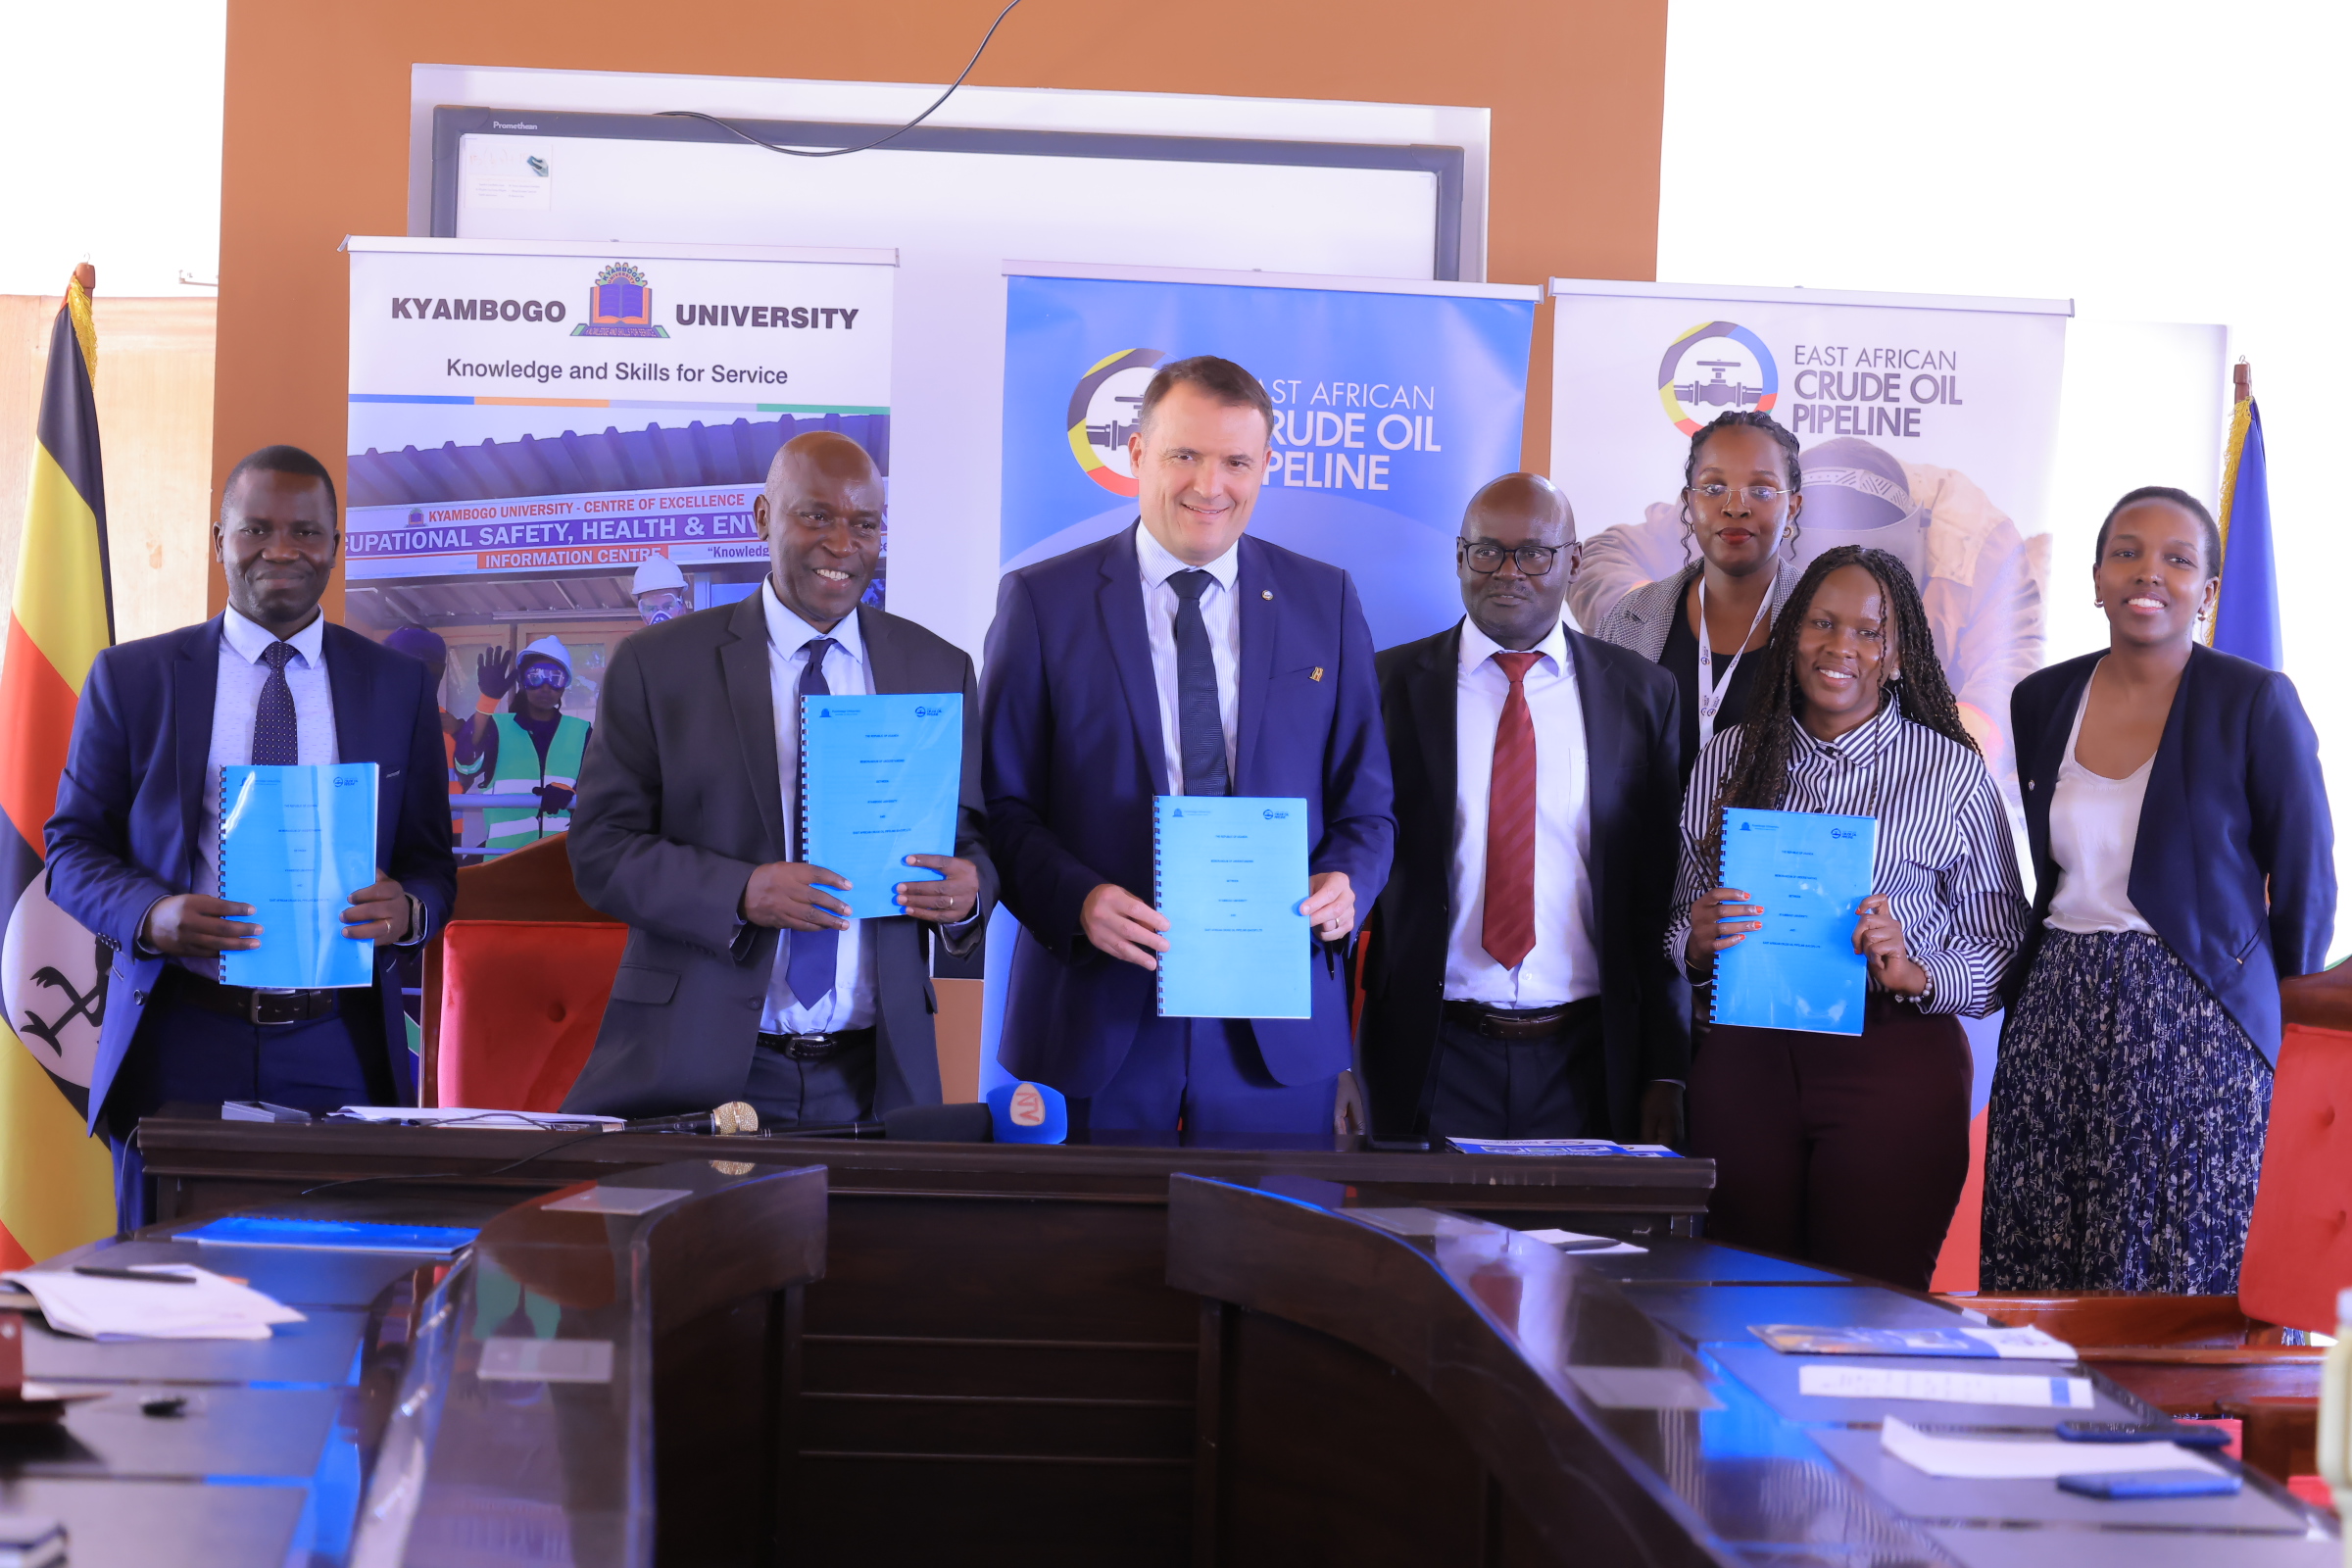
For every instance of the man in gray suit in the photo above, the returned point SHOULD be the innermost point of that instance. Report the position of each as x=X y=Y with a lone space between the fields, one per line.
x=744 y=979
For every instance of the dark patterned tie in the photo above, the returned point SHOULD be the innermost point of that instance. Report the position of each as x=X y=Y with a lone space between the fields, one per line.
x=1200 y=718
x=274 y=741
x=1509 y=933
x=809 y=966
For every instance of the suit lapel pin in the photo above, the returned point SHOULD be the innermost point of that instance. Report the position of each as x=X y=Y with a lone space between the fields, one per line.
x=1265 y=593
x=1319 y=673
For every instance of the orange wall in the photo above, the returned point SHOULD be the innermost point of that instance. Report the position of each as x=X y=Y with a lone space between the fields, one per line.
x=315 y=134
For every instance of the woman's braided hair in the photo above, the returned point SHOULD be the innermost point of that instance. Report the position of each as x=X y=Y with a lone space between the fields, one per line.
x=1758 y=774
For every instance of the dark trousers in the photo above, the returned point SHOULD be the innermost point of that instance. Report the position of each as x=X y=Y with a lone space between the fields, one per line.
x=187 y=1053
x=1844 y=1150
x=811 y=1094
x=1205 y=1077
x=1556 y=1087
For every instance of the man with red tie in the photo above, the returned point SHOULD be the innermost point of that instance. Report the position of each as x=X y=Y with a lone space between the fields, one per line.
x=1516 y=985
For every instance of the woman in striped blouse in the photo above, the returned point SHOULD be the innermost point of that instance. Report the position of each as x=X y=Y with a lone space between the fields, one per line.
x=1851 y=1151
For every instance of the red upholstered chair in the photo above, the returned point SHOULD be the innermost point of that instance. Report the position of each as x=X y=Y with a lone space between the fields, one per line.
x=515 y=984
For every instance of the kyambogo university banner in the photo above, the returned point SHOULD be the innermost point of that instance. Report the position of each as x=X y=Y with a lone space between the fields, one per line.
x=1928 y=429
x=530 y=423
x=1392 y=403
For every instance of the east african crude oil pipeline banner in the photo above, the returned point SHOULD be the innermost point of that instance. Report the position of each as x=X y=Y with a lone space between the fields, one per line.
x=1928 y=427
x=1392 y=403
x=529 y=422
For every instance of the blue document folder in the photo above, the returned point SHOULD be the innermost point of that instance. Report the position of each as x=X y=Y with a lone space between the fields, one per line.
x=1229 y=871
x=885 y=776
x=1810 y=871
x=296 y=843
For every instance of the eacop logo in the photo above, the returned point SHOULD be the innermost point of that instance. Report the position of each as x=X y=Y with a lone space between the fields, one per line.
x=1713 y=369
x=1102 y=415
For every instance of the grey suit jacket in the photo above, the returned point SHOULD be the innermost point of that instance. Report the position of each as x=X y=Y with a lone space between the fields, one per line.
x=679 y=801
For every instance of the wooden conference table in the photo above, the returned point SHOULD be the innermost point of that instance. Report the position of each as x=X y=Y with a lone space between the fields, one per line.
x=1134 y=1354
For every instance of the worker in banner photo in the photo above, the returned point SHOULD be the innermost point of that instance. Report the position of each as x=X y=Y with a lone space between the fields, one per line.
x=529 y=746
x=659 y=589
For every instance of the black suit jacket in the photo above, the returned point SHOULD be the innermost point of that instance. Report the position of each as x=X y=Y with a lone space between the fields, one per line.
x=679 y=801
x=1631 y=728
x=2235 y=865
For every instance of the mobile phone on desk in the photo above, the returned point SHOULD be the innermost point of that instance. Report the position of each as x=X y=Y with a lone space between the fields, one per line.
x=2185 y=1434
x=2125 y=1485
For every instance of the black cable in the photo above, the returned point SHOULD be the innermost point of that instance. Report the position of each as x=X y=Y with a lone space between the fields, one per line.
x=843 y=152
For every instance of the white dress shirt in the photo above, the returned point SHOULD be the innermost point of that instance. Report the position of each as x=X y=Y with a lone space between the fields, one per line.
x=236 y=697
x=850 y=1005
x=1224 y=623
x=1564 y=965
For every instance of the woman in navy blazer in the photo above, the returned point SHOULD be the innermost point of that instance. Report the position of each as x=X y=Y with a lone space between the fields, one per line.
x=2183 y=863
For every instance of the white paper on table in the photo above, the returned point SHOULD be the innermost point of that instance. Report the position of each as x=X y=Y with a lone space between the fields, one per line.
x=99 y=1308
x=1558 y=1237
x=2029 y=1458
x=459 y=1116
x=1416 y=1223
x=617 y=1201
x=1947 y=1387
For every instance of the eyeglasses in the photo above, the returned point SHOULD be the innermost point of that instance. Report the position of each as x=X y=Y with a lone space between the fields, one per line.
x=546 y=676
x=1486 y=558
x=1763 y=495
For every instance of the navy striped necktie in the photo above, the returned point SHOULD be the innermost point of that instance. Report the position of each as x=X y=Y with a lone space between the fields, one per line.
x=275 y=741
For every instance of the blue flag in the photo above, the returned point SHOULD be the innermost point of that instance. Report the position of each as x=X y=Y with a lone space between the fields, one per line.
x=2246 y=621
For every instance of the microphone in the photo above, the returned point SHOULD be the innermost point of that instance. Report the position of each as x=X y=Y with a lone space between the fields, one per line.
x=922 y=1124
x=727 y=1121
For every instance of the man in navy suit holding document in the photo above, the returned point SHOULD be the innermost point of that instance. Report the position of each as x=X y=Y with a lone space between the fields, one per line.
x=134 y=846
x=1178 y=656
x=744 y=977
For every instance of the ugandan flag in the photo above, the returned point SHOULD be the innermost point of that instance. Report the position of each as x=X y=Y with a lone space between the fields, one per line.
x=56 y=1183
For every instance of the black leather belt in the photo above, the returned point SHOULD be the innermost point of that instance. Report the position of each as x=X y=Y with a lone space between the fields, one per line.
x=248 y=1005
x=817 y=1047
x=1520 y=1023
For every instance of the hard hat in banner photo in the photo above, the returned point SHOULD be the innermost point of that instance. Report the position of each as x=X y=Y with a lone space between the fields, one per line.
x=549 y=648
x=52 y=977
x=653 y=574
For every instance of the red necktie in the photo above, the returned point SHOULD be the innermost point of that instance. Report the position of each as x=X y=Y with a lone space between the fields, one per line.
x=1509 y=932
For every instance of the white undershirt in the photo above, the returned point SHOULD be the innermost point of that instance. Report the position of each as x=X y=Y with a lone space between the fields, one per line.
x=2094 y=829
x=1564 y=965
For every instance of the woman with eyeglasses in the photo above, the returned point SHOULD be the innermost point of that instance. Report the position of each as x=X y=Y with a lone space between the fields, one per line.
x=1851 y=1151
x=1707 y=622
x=530 y=748
x=2183 y=866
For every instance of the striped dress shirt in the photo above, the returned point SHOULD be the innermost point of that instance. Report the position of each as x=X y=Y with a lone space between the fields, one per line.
x=1946 y=856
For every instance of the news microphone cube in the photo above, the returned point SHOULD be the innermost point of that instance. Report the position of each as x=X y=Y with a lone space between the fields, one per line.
x=1029 y=1113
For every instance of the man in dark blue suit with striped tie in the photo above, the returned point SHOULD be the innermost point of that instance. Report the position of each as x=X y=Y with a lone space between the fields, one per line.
x=1176 y=657
x=134 y=846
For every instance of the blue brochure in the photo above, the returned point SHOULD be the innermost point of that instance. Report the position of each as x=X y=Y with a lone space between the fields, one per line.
x=1229 y=871
x=885 y=776
x=296 y=843
x=1810 y=872
x=329 y=1234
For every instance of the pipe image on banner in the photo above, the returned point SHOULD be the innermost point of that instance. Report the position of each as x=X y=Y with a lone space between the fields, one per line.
x=553 y=445
x=1926 y=428
x=1392 y=403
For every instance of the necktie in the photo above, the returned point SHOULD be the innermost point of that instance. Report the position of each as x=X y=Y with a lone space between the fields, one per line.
x=1200 y=719
x=809 y=966
x=275 y=743
x=1509 y=932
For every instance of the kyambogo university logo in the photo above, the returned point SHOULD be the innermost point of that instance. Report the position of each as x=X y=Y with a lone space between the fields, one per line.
x=1103 y=416
x=621 y=303
x=1713 y=369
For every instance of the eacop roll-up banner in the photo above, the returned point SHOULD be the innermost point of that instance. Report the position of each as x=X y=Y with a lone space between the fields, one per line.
x=530 y=424
x=1393 y=401
x=1928 y=427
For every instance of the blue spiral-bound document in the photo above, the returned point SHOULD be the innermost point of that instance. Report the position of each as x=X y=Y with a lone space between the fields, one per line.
x=1231 y=874
x=1810 y=871
x=885 y=779
x=296 y=843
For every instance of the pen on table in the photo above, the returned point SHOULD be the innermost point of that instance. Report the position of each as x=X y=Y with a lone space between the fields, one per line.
x=96 y=1271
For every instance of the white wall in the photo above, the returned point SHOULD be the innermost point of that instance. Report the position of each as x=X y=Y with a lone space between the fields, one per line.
x=2156 y=161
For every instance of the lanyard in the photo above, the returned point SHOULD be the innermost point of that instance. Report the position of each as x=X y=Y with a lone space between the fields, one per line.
x=1710 y=692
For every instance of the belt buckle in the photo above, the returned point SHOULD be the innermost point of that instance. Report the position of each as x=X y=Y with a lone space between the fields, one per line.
x=807 y=1047
x=260 y=1004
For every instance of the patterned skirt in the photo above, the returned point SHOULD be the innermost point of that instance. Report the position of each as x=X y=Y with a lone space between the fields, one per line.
x=2127 y=1125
